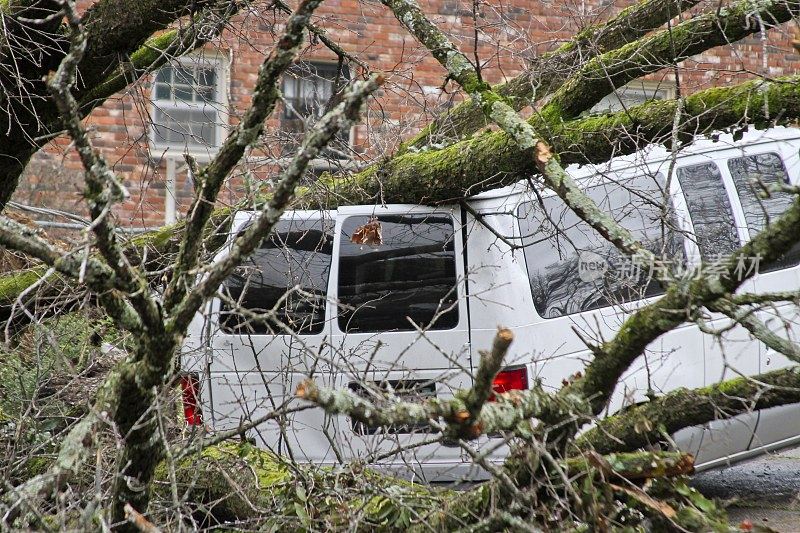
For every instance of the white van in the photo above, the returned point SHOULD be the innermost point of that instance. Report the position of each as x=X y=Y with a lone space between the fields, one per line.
x=403 y=297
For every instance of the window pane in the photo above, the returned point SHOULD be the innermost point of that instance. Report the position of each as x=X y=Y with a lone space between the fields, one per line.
x=184 y=75
x=308 y=97
x=749 y=173
x=573 y=269
x=207 y=77
x=411 y=274
x=164 y=75
x=184 y=127
x=324 y=93
x=186 y=115
x=162 y=127
x=310 y=86
x=709 y=209
x=298 y=254
x=205 y=130
x=183 y=93
x=288 y=86
x=205 y=95
x=163 y=91
x=752 y=175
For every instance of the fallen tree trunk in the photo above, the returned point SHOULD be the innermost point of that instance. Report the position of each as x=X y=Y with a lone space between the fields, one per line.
x=493 y=159
x=488 y=161
x=649 y=423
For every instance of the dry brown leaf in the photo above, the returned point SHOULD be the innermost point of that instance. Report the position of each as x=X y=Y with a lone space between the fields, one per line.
x=369 y=233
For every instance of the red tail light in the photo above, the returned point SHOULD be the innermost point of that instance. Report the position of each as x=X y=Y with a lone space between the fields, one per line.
x=190 y=384
x=510 y=379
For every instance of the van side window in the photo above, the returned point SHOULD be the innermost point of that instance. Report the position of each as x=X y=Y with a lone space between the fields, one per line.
x=288 y=273
x=710 y=210
x=753 y=175
x=573 y=269
x=409 y=272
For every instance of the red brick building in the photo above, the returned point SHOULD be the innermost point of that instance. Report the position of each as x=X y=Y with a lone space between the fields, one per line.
x=189 y=105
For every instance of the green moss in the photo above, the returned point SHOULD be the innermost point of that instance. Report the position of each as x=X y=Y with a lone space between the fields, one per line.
x=309 y=498
x=140 y=60
x=152 y=48
x=35 y=466
x=159 y=237
x=11 y=285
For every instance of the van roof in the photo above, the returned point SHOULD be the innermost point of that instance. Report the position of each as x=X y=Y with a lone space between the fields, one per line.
x=657 y=153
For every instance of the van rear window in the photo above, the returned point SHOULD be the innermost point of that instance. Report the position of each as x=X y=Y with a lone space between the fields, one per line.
x=395 y=269
x=283 y=284
x=573 y=269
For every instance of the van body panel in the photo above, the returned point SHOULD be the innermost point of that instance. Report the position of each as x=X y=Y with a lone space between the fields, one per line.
x=478 y=250
x=282 y=348
x=251 y=373
x=496 y=271
x=240 y=397
x=354 y=440
x=418 y=245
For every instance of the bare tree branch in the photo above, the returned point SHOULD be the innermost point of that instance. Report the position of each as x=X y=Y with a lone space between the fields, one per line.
x=341 y=116
x=612 y=70
x=247 y=132
x=490 y=364
x=103 y=188
x=548 y=72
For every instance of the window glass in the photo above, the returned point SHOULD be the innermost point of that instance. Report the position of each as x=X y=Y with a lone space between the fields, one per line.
x=186 y=106
x=309 y=89
x=710 y=210
x=288 y=273
x=407 y=272
x=752 y=175
x=573 y=269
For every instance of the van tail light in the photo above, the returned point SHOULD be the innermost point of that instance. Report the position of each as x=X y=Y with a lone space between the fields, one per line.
x=190 y=385
x=510 y=379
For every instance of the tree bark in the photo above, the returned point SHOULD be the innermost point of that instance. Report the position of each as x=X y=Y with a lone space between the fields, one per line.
x=493 y=159
x=649 y=423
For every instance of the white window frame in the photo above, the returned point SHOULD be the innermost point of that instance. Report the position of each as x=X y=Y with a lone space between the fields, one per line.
x=220 y=65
